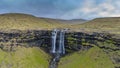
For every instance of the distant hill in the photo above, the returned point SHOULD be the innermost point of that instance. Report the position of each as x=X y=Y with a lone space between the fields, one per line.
x=73 y=21
x=111 y=24
x=26 y=21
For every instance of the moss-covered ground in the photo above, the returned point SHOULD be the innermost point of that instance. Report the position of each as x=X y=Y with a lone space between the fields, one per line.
x=92 y=58
x=24 y=58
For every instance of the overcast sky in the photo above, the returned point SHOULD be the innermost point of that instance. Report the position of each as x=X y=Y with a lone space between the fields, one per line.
x=63 y=9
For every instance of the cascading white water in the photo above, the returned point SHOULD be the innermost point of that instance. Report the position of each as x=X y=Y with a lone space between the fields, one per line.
x=59 y=50
x=54 y=37
x=55 y=34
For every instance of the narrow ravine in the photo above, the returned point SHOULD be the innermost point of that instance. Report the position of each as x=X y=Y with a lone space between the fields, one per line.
x=57 y=48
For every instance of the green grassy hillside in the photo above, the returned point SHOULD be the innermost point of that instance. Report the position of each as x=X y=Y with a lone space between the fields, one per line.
x=102 y=24
x=24 y=58
x=25 y=22
x=93 y=58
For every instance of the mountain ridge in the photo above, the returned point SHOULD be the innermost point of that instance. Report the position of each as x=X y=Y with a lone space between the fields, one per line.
x=26 y=21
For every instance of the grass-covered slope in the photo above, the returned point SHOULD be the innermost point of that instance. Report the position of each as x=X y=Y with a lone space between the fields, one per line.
x=92 y=58
x=25 y=22
x=104 y=23
x=111 y=24
x=24 y=58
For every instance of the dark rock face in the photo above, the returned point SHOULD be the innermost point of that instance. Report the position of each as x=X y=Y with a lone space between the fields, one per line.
x=77 y=40
x=105 y=41
x=8 y=41
x=74 y=41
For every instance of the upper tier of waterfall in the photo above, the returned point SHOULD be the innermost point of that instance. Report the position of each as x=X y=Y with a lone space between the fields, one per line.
x=58 y=42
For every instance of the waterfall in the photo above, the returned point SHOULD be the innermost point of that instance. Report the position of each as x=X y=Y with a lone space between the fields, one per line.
x=54 y=37
x=57 y=49
x=61 y=43
x=58 y=34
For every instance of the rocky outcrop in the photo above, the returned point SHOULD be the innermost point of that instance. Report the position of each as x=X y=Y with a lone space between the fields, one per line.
x=30 y=38
x=109 y=43
x=74 y=41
